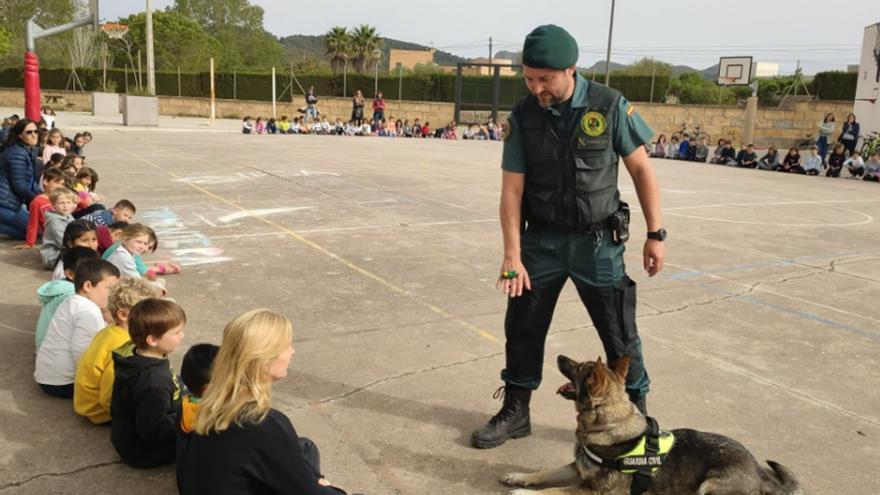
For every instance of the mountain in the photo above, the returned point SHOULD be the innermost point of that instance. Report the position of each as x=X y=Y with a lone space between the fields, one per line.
x=300 y=47
x=710 y=73
x=599 y=67
x=507 y=55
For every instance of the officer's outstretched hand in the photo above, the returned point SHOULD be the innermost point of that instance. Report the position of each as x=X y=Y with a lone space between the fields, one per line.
x=513 y=287
x=654 y=253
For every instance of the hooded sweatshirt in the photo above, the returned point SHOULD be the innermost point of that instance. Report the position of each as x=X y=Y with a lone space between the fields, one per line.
x=53 y=238
x=51 y=295
x=145 y=405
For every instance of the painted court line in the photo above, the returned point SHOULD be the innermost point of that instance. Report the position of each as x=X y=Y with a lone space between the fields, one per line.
x=780 y=308
x=378 y=279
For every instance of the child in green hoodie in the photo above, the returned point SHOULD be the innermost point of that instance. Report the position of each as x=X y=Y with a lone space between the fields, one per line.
x=52 y=293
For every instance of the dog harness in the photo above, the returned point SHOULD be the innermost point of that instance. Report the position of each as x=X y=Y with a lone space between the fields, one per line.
x=643 y=460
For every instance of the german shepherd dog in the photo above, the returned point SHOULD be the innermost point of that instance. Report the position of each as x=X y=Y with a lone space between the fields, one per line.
x=610 y=425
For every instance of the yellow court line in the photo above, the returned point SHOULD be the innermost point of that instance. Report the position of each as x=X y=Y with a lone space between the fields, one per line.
x=385 y=283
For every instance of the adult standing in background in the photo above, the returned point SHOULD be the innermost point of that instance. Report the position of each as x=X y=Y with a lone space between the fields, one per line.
x=357 y=108
x=311 y=105
x=849 y=134
x=826 y=130
x=18 y=184
x=378 y=108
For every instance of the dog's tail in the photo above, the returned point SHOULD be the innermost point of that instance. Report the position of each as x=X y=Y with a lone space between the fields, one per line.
x=784 y=483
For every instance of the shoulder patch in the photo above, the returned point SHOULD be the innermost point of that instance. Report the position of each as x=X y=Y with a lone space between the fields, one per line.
x=593 y=124
x=507 y=130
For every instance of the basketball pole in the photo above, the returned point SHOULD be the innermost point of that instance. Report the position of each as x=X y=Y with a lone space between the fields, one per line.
x=151 y=63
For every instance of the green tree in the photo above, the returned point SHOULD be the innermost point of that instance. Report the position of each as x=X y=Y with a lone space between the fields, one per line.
x=246 y=49
x=215 y=14
x=178 y=41
x=364 y=43
x=646 y=67
x=338 y=46
x=47 y=13
x=5 y=41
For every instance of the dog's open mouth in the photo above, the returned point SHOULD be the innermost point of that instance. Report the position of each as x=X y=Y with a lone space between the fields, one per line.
x=567 y=391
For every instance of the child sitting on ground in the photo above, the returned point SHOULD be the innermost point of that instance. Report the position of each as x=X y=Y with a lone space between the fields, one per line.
x=54 y=144
x=792 y=159
x=63 y=203
x=770 y=160
x=122 y=211
x=872 y=168
x=136 y=240
x=86 y=181
x=812 y=165
x=701 y=152
x=109 y=234
x=835 y=161
x=40 y=205
x=246 y=125
x=54 y=292
x=855 y=165
x=79 y=233
x=146 y=395
x=93 y=384
x=75 y=323
x=195 y=372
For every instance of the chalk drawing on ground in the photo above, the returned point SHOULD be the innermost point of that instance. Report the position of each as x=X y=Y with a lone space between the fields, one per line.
x=189 y=247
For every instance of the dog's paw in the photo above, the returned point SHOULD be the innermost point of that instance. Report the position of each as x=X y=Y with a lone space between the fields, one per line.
x=515 y=479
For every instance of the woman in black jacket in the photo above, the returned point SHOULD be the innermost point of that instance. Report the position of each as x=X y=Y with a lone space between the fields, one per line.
x=18 y=185
x=849 y=134
x=241 y=445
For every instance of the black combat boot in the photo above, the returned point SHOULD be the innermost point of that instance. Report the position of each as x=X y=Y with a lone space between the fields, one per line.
x=512 y=421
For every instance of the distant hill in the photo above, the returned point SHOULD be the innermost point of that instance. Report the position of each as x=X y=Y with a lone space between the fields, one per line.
x=599 y=67
x=710 y=73
x=507 y=55
x=299 y=47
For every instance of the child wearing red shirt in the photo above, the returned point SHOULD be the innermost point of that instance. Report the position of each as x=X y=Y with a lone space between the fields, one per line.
x=52 y=179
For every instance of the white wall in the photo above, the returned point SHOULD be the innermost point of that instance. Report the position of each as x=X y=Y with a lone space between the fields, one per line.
x=867 y=113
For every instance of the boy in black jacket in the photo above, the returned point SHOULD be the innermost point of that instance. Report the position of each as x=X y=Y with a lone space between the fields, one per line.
x=146 y=395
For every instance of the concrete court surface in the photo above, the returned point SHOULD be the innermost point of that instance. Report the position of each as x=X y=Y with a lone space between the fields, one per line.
x=384 y=253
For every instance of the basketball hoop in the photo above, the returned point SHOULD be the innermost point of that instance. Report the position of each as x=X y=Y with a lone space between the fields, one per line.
x=726 y=81
x=113 y=30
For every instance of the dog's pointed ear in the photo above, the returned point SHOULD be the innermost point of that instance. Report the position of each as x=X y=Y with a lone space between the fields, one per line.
x=621 y=366
x=596 y=380
x=567 y=366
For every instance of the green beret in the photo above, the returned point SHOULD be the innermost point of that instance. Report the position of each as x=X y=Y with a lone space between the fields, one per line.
x=550 y=47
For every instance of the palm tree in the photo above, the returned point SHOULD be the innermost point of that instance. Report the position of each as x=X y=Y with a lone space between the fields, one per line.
x=338 y=44
x=364 y=43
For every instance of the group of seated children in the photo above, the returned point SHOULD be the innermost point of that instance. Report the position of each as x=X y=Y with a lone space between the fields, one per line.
x=813 y=164
x=680 y=147
x=379 y=128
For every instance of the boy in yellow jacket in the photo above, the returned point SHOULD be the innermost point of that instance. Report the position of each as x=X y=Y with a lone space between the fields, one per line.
x=93 y=385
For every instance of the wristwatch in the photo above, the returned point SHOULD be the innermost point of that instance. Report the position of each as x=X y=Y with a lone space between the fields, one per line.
x=658 y=235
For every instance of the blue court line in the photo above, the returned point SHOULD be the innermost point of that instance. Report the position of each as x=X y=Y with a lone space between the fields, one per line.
x=767 y=264
x=782 y=309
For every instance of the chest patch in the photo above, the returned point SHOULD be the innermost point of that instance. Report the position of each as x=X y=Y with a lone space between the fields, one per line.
x=593 y=124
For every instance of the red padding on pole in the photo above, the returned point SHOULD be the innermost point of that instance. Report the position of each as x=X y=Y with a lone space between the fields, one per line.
x=32 y=98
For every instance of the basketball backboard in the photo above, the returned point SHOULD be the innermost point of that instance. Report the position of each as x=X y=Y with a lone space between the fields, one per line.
x=734 y=71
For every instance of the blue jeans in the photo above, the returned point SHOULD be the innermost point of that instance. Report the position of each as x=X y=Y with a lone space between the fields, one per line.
x=822 y=144
x=13 y=223
x=311 y=113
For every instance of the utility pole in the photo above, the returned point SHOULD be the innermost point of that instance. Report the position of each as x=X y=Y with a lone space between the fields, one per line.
x=151 y=63
x=490 y=49
x=608 y=54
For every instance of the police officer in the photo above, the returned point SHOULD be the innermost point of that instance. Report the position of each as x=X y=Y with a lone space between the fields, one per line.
x=562 y=217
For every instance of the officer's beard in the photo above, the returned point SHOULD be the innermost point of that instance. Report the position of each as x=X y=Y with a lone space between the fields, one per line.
x=547 y=99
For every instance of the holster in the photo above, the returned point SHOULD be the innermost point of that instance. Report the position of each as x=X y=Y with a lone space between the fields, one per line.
x=619 y=224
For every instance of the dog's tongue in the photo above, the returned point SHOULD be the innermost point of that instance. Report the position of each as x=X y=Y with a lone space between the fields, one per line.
x=567 y=391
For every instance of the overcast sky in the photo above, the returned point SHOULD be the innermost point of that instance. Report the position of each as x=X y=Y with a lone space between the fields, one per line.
x=824 y=36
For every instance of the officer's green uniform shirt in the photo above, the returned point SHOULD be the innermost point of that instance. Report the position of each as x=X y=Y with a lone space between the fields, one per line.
x=631 y=132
